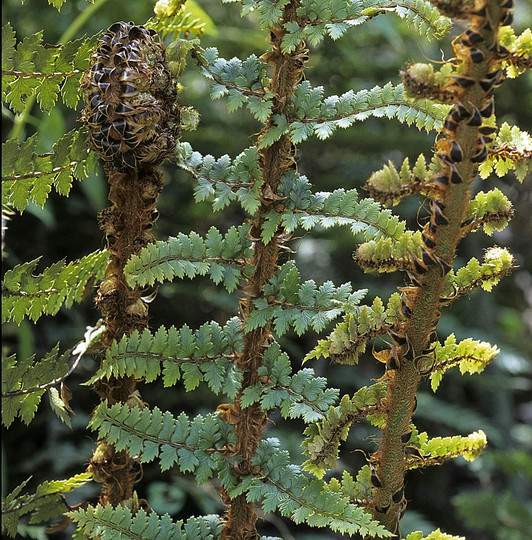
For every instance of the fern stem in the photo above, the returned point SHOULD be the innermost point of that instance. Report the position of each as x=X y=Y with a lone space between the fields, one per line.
x=389 y=462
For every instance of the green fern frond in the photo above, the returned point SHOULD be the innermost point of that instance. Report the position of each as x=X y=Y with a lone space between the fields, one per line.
x=321 y=117
x=519 y=60
x=386 y=255
x=206 y=355
x=335 y=19
x=300 y=305
x=243 y=82
x=390 y=185
x=356 y=490
x=284 y=487
x=24 y=383
x=196 y=445
x=349 y=337
x=439 y=449
x=45 y=504
x=491 y=211
x=498 y=262
x=223 y=258
x=27 y=295
x=29 y=176
x=31 y=68
x=222 y=180
x=175 y=18
x=108 y=522
x=471 y=356
x=298 y=395
x=322 y=442
x=434 y=535
x=511 y=150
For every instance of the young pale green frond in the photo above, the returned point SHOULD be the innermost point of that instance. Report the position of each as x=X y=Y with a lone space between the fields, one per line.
x=300 y=305
x=323 y=439
x=28 y=176
x=108 y=523
x=299 y=395
x=428 y=452
x=284 y=487
x=195 y=445
x=519 y=60
x=205 y=355
x=511 y=150
x=434 y=535
x=349 y=337
x=223 y=258
x=32 y=68
x=386 y=255
x=44 y=505
x=27 y=295
x=491 y=211
x=336 y=18
x=25 y=381
x=471 y=356
x=224 y=180
x=172 y=18
x=390 y=185
x=498 y=262
x=321 y=117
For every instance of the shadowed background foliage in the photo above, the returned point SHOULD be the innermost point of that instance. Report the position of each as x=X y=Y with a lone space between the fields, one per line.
x=489 y=499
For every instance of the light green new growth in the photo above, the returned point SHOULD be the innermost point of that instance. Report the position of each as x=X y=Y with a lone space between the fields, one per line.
x=434 y=535
x=27 y=295
x=491 y=211
x=44 y=505
x=27 y=176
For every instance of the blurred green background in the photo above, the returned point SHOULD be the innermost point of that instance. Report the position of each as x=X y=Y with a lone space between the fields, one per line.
x=489 y=499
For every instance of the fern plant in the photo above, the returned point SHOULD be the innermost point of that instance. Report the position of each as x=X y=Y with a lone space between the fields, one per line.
x=132 y=122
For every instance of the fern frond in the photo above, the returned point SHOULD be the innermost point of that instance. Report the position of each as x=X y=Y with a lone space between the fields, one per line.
x=175 y=19
x=243 y=82
x=511 y=150
x=27 y=295
x=108 y=522
x=24 y=383
x=341 y=207
x=322 y=442
x=491 y=211
x=196 y=445
x=498 y=262
x=29 y=176
x=206 y=355
x=321 y=117
x=434 y=535
x=471 y=356
x=386 y=255
x=223 y=258
x=357 y=490
x=334 y=19
x=349 y=337
x=36 y=69
x=519 y=60
x=222 y=180
x=45 y=504
x=437 y=450
x=390 y=185
x=300 y=305
x=284 y=487
x=298 y=395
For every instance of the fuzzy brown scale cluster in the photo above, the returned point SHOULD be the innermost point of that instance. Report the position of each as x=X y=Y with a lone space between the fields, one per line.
x=132 y=120
x=131 y=112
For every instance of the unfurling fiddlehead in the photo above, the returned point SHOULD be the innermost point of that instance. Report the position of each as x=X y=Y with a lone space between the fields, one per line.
x=132 y=119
